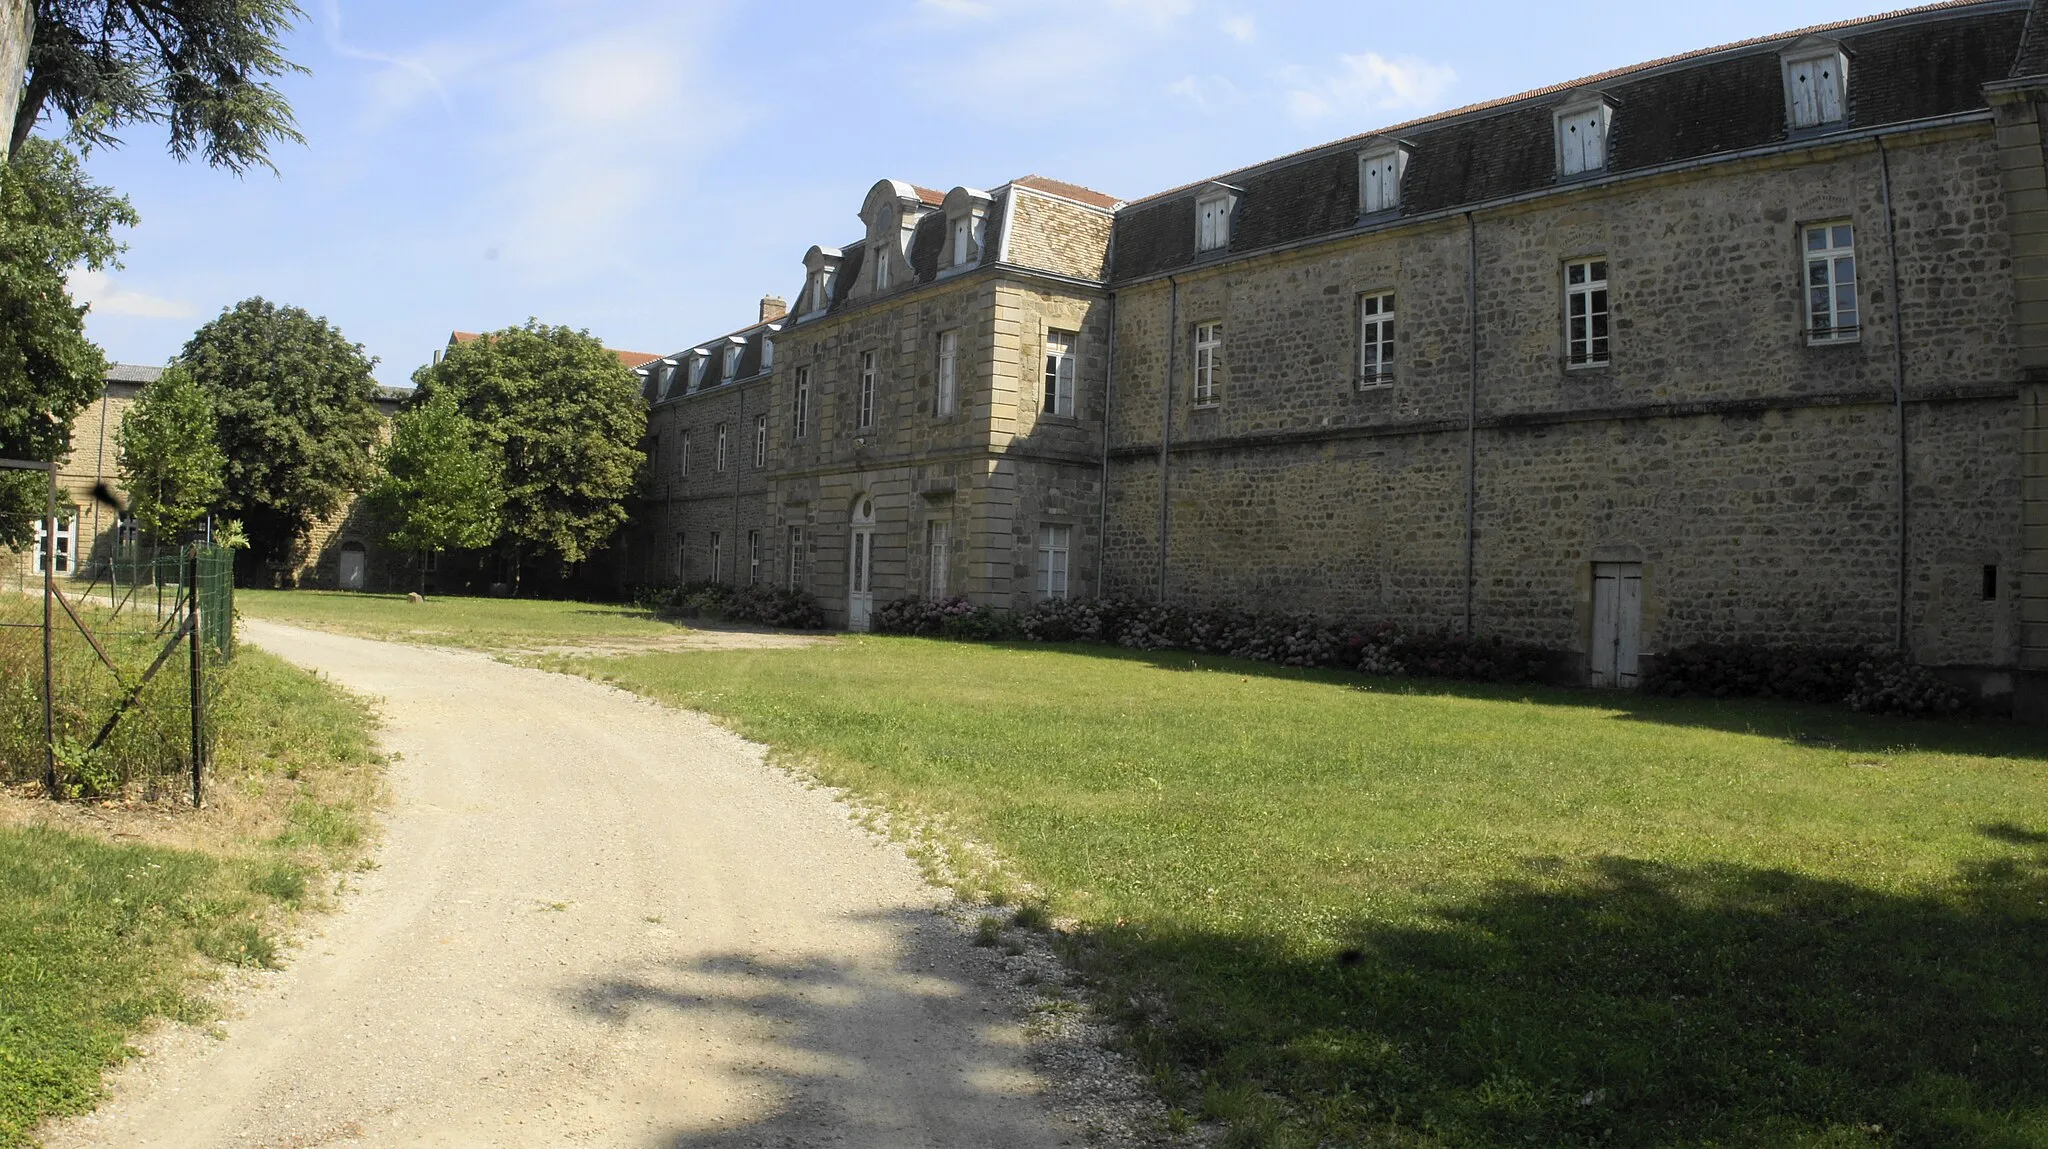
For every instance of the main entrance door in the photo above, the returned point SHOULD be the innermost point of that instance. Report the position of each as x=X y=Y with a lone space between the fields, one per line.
x=860 y=565
x=1617 y=623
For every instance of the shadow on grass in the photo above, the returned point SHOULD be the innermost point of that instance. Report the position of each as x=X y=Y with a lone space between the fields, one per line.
x=1826 y=727
x=1623 y=1003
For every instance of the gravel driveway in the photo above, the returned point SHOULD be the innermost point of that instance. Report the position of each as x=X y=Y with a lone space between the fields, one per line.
x=595 y=922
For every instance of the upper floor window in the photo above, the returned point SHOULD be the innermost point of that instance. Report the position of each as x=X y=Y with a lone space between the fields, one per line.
x=1059 y=373
x=1375 y=339
x=1379 y=178
x=949 y=372
x=732 y=362
x=880 y=252
x=696 y=371
x=1585 y=313
x=820 y=290
x=1208 y=364
x=720 y=458
x=683 y=456
x=963 y=240
x=1212 y=220
x=1582 y=136
x=760 y=441
x=800 y=407
x=1816 y=85
x=1831 y=312
x=767 y=353
x=867 y=389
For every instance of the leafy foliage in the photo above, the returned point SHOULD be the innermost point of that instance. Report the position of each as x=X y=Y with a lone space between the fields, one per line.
x=296 y=417
x=199 y=67
x=52 y=218
x=1877 y=682
x=441 y=479
x=953 y=617
x=766 y=605
x=566 y=418
x=171 y=461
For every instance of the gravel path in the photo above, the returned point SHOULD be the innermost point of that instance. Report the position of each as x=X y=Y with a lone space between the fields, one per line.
x=595 y=922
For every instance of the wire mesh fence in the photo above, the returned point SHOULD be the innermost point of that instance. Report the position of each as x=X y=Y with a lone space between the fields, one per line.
x=130 y=641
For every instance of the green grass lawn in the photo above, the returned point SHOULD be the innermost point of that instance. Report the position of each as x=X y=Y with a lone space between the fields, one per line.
x=492 y=624
x=1382 y=912
x=98 y=937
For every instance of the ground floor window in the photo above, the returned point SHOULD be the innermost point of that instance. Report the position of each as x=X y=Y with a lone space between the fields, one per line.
x=753 y=557
x=717 y=555
x=936 y=538
x=66 y=547
x=682 y=556
x=796 y=558
x=1052 y=561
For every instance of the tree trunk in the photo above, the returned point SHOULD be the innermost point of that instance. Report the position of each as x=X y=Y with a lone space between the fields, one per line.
x=17 y=30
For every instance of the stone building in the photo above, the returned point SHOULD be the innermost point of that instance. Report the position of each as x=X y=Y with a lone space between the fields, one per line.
x=1740 y=345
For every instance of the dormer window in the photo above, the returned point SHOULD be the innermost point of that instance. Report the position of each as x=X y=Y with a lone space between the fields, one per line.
x=1380 y=169
x=1212 y=217
x=697 y=361
x=732 y=362
x=768 y=350
x=963 y=240
x=880 y=254
x=1816 y=85
x=1582 y=135
x=821 y=290
x=821 y=270
x=966 y=220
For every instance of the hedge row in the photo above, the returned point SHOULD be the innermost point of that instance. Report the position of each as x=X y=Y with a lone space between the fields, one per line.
x=764 y=605
x=1876 y=682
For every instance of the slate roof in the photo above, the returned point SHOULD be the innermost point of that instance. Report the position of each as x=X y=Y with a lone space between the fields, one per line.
x=133 y=373
x=1909 y=65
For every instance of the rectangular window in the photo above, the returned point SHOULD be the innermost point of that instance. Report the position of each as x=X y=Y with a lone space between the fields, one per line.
x=1582 y=138
x=430 y=562
x=1831 y=313
x=1052 y=561
x=1375 y=339
x=796 y=558
x=1059 y=372
x=867 y=389
x=1208 y=364
x=963 y=233
x=719 y=458
x=880 y=253
x=935 y=539
x=949 y=372
x=760 y=441
x=1585 y=313
x=682 y=557
x=753 y=557
x=683 y=456
x=1379 y=181
x=732 y=362
x=65 y=549
x=1212 y=224
x=1990 y=588
x=125 y=532
x=717 y=555
x=800 y=407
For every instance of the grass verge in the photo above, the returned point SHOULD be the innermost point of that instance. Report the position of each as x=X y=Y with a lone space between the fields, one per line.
x=111 y=913
x=488 y=624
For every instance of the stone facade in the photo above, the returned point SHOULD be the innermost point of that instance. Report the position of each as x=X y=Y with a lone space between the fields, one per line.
x=1761 y=466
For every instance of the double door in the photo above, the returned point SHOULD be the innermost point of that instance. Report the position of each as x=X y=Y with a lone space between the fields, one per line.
x=1617 y=624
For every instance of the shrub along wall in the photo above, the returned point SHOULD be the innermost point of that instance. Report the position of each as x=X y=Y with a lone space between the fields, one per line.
x=765 y=605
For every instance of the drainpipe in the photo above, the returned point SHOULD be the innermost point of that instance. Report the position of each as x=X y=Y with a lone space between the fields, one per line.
x=1166 y=419
x=1891 y=240
x=1102 y=515
x=1471 y=411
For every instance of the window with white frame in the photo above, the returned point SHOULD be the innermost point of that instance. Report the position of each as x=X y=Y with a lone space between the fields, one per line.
x=1208 y=364
x=949 y=372
x=753 y=557
x=1379 y=178
x=719 y=459
x=963 y=240
x=800 y=405
x=796 y=558
x=1582 y=137
x=683 y=456
x=1832 y=315
x=760 y=441
x=1059 y=372
x=430 y=562
x=1375 y=339
x=1052 y=561
x=732 y=362
x=717 y=555
x=821 y=290
x=1816 y=86
x=697 y=371
x=936 y=535
x=867 y=389
x=58 y=558
x=1212 y=221
x=1585 y=313
x=880 y=254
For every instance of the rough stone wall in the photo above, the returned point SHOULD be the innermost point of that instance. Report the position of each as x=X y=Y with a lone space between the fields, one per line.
x=699 y=500
x=1754 y=476
x=1058 y=236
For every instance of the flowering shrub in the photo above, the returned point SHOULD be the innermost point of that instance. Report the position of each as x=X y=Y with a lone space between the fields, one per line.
x=764 y=605
x=1889 y=684
x=953 y=617
x=1875 y=682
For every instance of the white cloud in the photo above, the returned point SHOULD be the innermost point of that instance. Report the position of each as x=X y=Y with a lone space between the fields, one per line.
x=1242 y=29
x=108 y=297
x=1368 y=83
x=973 y=9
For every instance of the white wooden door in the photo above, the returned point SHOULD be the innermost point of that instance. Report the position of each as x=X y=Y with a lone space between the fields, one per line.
x=1617 y=623
x=860 y=567
x=353 y=566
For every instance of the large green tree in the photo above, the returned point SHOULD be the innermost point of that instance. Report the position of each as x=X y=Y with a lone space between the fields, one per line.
x=443 y=480
x=298 y=421
x=171 y=461
x=566 y=417
x=51 y=219
x=201 y=68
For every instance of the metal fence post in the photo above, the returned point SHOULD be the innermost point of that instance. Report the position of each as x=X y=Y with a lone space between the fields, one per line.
x=50 y=638
x=198 y=684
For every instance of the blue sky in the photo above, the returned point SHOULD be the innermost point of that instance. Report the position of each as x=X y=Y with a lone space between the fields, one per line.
x=648 y=170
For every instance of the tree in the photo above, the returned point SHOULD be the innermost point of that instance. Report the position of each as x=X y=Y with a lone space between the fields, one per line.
x=297 y=420
x=199 y=67
x=442 y=479
x=51 y=219
x=170 y=457
x=566 y=418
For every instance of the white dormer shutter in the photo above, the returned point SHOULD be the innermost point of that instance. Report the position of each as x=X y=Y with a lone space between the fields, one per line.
x=1582 y=138
x=1379 y=179
x=1212 y=228
x=1816 y=87
x=963 y=230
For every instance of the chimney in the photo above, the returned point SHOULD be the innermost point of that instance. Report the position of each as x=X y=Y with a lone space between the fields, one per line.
x=773 y=307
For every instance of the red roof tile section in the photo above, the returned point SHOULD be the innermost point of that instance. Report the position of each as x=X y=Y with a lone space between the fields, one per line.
x=1582 y=82
x=934 y=198
x=1074 y=192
